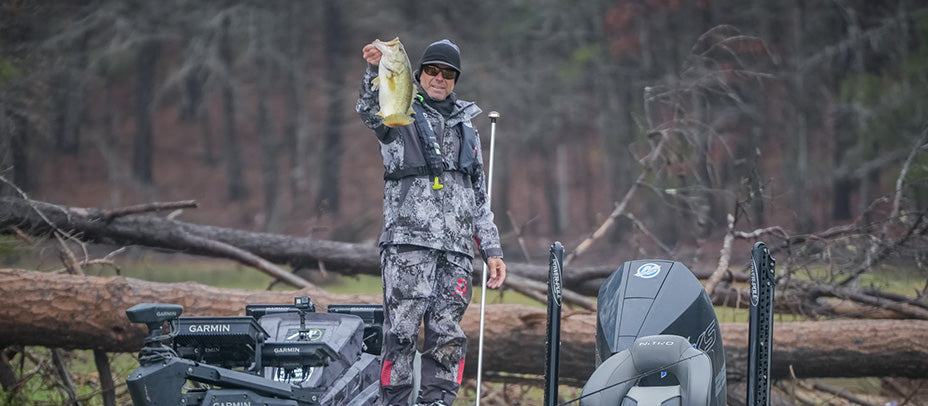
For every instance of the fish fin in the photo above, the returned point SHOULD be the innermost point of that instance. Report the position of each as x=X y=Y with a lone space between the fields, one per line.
x=392 y=84
x=396 y=120
x=380 y=113
x=375 y=84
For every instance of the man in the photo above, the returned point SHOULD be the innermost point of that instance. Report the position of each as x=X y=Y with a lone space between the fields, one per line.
x=430 y=222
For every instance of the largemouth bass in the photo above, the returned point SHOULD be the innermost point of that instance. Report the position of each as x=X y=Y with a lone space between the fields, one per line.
x=395 y=82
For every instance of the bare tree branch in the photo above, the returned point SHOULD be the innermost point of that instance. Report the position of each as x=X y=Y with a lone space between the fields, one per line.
x=107 y=385
x=620 y=207
x=108 y=215
x=66 y=382
x=245 y=257
x=538 y=291
x=724 y=257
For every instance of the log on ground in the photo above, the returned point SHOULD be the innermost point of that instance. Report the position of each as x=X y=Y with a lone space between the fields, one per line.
x=87 y=312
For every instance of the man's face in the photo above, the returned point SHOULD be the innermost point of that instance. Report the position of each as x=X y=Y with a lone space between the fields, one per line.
x=436 y=85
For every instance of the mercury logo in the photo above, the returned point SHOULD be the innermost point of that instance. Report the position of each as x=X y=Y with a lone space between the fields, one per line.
x=648 y=271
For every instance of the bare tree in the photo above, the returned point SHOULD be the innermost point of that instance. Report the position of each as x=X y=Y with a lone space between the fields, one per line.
x=70 y=93
x=142 y=145
x=270 y=154
x=15 y=155
x=327 y=197
x=236 y=188
x=296 y=124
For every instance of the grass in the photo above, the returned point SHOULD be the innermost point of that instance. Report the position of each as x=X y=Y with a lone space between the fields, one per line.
x=219 y=273
x=370 y=285
x=895 y=280
x=41 y=388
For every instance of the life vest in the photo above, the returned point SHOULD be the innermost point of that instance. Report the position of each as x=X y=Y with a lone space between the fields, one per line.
x=423 y=155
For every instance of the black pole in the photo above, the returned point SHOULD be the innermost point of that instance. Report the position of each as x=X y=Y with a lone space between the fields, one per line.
x=553 y=334
x=760 y=338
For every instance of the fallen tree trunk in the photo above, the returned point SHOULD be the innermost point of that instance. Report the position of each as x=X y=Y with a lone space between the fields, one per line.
x=85 y=312
x=102 y=226
x=128 y=227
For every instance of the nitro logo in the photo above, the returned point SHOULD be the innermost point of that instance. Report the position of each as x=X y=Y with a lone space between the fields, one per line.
x=209 y=328
x=652 y=343
x=648 y=271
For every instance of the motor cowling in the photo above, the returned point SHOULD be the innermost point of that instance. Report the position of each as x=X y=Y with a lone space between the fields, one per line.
x=655 y=297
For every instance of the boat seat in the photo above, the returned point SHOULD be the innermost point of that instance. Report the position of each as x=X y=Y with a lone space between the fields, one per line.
x=618 y=380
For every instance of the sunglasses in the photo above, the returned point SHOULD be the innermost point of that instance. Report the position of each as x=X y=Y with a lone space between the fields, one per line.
x=447 y=73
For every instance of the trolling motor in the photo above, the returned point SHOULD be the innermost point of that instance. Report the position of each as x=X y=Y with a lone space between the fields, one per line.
x=154 y=315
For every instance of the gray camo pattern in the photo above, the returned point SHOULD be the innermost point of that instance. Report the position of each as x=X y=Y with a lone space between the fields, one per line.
x=446 y=219
x=426 y=253
x=434 y=287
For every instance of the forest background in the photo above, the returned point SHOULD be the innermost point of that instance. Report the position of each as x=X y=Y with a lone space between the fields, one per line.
x=673 y=122
x=796 y=114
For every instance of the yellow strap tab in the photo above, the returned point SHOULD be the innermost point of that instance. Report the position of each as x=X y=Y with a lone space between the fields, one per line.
x=437 y=185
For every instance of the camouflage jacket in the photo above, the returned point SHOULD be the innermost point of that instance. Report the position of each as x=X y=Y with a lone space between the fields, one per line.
x=449 y=218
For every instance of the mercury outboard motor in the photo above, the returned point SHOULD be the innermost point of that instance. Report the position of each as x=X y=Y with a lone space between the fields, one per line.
x=658 y=338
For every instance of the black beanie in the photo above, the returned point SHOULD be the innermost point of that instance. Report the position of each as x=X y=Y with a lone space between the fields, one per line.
x=443 y=51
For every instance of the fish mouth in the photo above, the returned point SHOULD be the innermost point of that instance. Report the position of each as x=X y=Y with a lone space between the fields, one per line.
x=390 y=42
x=386 y=44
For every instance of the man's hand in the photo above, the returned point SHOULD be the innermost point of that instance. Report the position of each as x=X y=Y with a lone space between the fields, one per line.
x=497 y=272
x=371 y=54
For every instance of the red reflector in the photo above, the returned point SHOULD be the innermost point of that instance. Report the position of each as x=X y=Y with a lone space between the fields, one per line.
x=385 y=373
x=460 y=372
